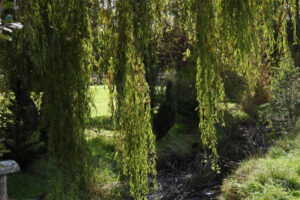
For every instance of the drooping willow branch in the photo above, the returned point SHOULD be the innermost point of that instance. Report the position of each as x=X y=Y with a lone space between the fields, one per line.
x=235 y=32
x=137 y=142
x=60 y=46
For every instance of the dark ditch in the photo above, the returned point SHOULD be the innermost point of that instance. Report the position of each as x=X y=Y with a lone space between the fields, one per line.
x=191 y=178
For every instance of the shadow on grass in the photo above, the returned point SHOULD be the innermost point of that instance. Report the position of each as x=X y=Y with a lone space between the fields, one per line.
x=33 y=184
x=107 y=184
x=102 y=149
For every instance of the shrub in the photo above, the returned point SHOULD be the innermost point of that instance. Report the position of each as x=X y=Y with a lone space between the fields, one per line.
x=281 y=112
x=19 y=123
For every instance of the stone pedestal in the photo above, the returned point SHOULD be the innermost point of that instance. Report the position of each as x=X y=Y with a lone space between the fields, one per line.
x=6 y=167
x=3 y=188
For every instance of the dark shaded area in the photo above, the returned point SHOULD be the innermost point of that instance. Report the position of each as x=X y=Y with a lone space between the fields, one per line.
x=190 y=176
x=165 y=118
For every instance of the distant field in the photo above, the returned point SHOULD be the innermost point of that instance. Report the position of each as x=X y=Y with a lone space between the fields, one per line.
x=101 y=100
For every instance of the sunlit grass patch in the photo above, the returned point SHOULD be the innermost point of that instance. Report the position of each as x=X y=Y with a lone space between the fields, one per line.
x=274 y=176
x=100 y=96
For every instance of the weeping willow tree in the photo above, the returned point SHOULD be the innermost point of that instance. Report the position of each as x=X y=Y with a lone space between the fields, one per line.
x=238 y=33
x=136 y=21
x=222 y=31
x=124 y=62
x=61 y=48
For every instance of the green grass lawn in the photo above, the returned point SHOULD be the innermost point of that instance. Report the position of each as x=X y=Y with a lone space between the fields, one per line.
x=273 y=176
x=100 y=95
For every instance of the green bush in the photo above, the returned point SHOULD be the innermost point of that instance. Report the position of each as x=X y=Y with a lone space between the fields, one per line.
x=19 y=123
x=282 y=111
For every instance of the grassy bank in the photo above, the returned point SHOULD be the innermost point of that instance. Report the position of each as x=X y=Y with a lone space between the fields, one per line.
x=273 y=176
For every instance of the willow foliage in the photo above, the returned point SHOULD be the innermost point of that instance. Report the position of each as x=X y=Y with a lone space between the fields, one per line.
x=61 y=48
x=135 y=22
x=236 y=33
